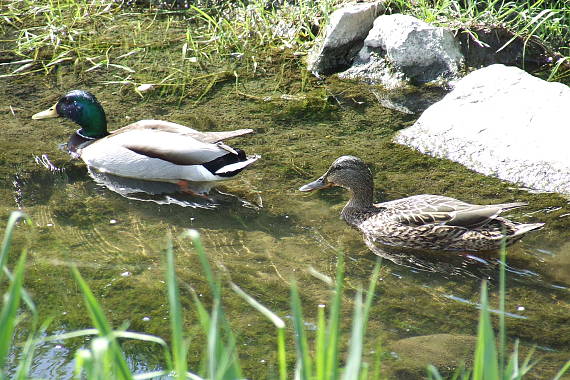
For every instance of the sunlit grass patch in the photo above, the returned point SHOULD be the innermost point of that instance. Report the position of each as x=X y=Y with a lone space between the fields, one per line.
x=47 y=34
x=178 y=51
x=187 y=50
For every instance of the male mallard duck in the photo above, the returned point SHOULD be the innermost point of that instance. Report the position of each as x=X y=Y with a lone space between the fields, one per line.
x=419 y=222
x=152 y=150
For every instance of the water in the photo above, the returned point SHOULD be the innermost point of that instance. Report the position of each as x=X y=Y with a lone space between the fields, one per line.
x=259 y=231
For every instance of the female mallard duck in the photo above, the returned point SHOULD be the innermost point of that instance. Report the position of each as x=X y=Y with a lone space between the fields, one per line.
x=419 y=222
x=152 y=150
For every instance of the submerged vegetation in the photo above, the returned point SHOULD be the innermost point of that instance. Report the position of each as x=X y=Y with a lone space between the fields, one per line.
x=185 y=50
x=321 y=359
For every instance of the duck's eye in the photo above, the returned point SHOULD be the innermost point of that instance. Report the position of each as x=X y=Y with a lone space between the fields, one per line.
x=69 y=108
x=67 y=100
x=341 y=167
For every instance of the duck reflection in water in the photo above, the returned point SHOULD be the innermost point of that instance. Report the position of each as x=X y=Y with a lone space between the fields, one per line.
x=195 y=194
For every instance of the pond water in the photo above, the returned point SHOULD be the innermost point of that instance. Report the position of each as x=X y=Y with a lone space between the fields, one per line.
x=261 y=232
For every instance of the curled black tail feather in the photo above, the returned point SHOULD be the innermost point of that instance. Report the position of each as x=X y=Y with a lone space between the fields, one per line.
x=227 y=159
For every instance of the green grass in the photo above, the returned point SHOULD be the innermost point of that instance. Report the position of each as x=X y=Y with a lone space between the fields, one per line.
x=489 y=362
x=319 y=359
x=183 y=52
x=187 y=52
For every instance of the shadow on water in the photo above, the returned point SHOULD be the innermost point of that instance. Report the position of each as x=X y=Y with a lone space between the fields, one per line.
x=212 y=205
x=474 y=265
x=447 y=264
x=194 y=195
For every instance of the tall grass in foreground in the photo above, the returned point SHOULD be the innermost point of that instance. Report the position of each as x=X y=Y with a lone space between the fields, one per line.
x=105 y=359
x=489 y=362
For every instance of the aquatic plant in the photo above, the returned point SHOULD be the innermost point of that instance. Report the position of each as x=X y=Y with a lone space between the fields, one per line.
x=105 y=358
x=489 y=362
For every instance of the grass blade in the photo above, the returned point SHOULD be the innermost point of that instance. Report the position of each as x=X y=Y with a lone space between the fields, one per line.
x=102 y=325
x=179 y=351
x=359 y=324
x=203 y=316
x=10 y=309
x=279 y=324
x=15 y=216
x=511 y=371
x=281 y=354
x=433 y=373
x=27 y=354
x=562 y=371
x=370 y=292
x=197 y=242
x=485 y=365
x=83 y=364
x=7 y=241
x=331 y=368
x=377 y=372
x=221 y=354
x=303 y=359
x=354 y=360
x=320 y=347
x=214 y=342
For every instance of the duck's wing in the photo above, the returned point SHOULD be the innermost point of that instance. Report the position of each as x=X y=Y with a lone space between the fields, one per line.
x=435 y=209
x=181 y=130
x=178 y=149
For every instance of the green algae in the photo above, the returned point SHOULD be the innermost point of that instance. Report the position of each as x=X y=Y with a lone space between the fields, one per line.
x=301 y=126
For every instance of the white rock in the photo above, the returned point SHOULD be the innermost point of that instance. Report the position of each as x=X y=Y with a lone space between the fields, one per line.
x=347 y=28
x=504 y=122
x=410 y=48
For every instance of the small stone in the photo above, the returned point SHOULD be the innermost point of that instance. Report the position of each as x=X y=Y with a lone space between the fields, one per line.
x=144 y=87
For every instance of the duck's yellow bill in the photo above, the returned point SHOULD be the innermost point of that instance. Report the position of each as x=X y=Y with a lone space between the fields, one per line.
x=49 y=113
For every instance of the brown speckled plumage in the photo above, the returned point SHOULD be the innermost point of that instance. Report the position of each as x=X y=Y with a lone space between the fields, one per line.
x=422 y=222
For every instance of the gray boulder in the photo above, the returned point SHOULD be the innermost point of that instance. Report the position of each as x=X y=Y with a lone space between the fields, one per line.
x=401 y=47
x=501 y=121
x=344 y=36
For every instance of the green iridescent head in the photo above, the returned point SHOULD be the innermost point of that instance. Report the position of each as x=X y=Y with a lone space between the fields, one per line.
x=81 y=107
